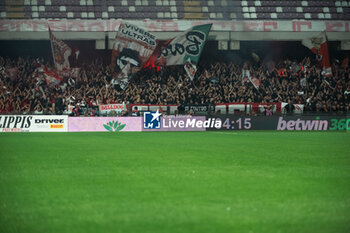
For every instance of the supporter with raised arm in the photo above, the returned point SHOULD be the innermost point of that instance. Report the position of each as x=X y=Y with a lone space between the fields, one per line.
x=214 y=83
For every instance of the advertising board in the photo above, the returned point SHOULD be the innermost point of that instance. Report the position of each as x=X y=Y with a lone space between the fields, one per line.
x=289 y=123
x=33 y=123
x=200 y=109
x=313 y=123
x=101 y=124
x=155 y=122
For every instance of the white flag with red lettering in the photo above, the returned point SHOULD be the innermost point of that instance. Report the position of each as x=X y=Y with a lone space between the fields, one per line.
x=319 y=46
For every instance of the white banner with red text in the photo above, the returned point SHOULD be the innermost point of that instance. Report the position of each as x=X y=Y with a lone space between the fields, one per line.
x=107 y=108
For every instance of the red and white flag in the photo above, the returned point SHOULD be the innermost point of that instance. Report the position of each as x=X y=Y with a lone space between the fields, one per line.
x=256 y=82
x=51 y=77
x=319 y=46
x=247 y=77
x=60 y=52
x=76 y=53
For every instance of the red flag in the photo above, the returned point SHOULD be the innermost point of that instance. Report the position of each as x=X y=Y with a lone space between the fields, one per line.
x=154 y=58
x=319 y=46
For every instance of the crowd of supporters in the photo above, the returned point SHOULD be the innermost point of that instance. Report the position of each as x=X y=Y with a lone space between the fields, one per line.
x=301 y=82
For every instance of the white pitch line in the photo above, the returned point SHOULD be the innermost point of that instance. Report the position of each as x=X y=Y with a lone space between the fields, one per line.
x=225 y=133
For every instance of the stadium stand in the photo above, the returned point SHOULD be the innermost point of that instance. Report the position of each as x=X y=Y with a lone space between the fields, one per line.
x=171 y=9
x=27 y=92
x=217 y=81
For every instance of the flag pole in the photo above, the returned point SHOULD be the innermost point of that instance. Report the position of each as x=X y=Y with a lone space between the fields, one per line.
x=51 y=37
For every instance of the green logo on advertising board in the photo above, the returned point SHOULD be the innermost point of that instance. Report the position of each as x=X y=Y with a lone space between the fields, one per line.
x=114 y=126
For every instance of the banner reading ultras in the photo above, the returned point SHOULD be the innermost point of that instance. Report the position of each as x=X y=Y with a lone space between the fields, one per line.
x=33 y=123
x=131 y=50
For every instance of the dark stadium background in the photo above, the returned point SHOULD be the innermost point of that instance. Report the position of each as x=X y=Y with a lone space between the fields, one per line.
x=275 y=50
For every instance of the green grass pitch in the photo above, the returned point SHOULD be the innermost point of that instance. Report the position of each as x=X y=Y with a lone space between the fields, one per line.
x=176 y=182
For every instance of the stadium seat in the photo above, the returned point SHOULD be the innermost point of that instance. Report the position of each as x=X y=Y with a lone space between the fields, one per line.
x=184 y=9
